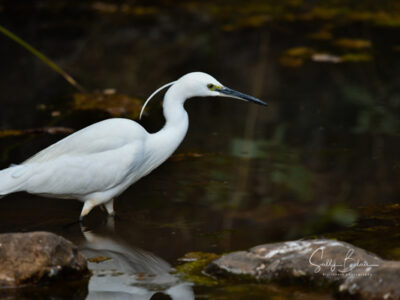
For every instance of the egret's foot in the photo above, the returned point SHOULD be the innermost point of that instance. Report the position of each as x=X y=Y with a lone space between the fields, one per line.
x=87 y=207
x=110 y=208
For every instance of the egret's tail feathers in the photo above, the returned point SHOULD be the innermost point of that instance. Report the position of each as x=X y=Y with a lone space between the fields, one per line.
x=10 y=180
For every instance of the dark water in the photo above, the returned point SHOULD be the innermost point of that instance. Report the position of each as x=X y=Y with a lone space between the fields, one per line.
x=321 y=160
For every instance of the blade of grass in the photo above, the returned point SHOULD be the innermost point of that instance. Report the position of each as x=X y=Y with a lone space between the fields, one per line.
x=42 y=57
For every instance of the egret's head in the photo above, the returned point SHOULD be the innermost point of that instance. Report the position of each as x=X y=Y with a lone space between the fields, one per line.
x=199 y=84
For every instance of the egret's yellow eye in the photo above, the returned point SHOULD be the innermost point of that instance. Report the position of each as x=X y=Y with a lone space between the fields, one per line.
x=211 y=87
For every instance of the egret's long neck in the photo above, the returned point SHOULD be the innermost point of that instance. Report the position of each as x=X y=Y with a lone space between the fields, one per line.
x=176 y=117
x=165 y=141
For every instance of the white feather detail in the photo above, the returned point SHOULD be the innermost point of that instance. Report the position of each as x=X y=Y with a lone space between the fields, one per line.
x=152 y=95
x=17 y=171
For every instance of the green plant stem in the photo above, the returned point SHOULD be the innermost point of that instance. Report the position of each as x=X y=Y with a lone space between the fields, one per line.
x=42 y=57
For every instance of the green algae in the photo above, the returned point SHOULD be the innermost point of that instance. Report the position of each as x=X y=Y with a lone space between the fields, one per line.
x=193 y=266
x=352 y=43
x=356 y=57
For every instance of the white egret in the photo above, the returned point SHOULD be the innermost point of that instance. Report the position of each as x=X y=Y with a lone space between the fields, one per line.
x=99 y=162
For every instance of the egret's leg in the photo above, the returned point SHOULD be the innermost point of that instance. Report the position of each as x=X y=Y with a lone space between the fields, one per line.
x=87 y=207
x=110 y=207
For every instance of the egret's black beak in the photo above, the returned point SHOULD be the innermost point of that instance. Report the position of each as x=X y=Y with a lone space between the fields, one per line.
x=238 y=95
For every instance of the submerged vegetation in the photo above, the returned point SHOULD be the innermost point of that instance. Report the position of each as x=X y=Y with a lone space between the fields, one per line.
x=192 y=266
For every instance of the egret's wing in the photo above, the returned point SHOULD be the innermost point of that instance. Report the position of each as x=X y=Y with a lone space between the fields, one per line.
x=102 y=136
x=95 y=159
x=73 y=176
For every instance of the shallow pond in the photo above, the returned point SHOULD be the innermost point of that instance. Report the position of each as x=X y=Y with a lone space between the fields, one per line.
x=321 y=160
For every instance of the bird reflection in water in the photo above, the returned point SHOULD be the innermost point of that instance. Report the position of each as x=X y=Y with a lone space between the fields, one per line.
x=125 y=272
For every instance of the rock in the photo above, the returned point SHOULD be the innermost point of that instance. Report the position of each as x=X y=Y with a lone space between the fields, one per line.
x=349 y=270
x=38 y=257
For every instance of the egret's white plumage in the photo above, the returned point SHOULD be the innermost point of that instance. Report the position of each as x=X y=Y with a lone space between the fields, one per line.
x=99 y=162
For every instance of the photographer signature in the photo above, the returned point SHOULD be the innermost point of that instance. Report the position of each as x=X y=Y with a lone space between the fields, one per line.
x=349 y=263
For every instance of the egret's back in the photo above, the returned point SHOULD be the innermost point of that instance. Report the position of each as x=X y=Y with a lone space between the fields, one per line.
x=91 y=160
x=102 y=136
